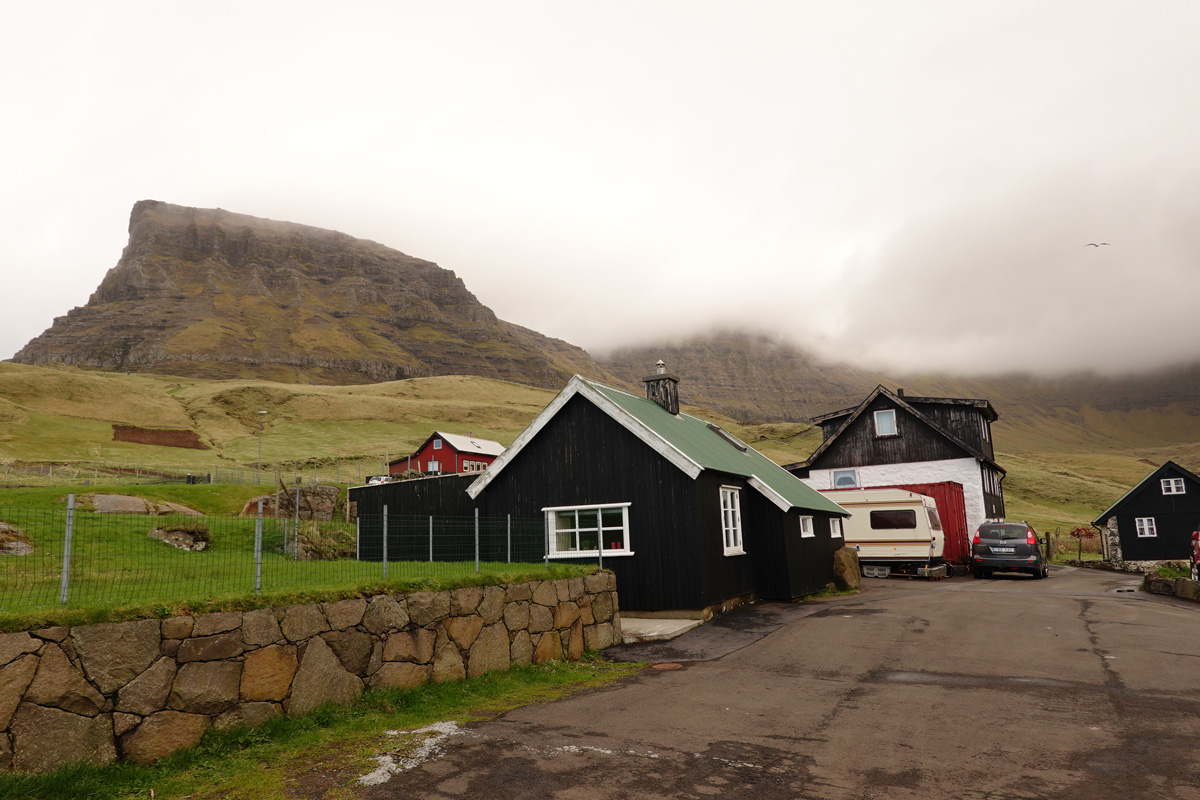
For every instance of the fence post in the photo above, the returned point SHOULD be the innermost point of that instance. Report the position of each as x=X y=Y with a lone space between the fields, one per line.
x=508 y=538
x=258 y=550
x=431 y=538
x=66 y=565
x=297 y=541
x=385 y=541
x=477 y=540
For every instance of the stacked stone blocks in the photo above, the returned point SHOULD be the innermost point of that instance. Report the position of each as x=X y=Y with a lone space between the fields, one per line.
x=141 y=690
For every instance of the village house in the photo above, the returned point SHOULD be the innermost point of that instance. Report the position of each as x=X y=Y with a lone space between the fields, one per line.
x=686 y=515
x=1153 y=521
x=450 y=453
x=928 y=445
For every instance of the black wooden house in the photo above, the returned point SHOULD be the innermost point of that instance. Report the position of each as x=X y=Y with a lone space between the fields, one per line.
x=687 y=516
x=1154 y=520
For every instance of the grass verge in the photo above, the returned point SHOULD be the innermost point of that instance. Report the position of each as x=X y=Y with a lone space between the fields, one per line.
x=326 y=751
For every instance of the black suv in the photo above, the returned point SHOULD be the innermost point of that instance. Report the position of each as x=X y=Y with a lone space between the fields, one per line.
x=1007 y=547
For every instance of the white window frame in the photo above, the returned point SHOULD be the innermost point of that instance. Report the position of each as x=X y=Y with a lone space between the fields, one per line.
x=433 y=466
x=806 y=528
x=987 y=433
x=552 y=531
x=853 y=473
x=835 y=527
x=437 y=444
x=884 y=413
x=731 y=521
x=1173 y=486
x=1146 y=527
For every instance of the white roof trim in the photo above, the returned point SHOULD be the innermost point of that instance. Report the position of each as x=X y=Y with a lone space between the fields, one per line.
x=578 y=385
x=769 y=493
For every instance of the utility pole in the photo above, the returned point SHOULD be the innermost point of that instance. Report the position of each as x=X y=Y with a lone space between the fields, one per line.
x=258 y=470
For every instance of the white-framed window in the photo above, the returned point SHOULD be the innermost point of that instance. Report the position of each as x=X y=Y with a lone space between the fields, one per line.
x=806 y=528
x=845 y=479
x=835 y=527
x=1146 y=527
x=580 y=531
x=432 y=466
x=437 y=444
x=731 y=520
x=987 y=432
x=885 y=422
x=1173 y=486
x=470 y=465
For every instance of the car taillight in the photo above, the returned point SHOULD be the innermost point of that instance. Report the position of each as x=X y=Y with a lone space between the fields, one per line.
x=975 y=538
x=1029 y=537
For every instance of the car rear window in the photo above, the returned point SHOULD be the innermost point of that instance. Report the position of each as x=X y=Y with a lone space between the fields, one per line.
x=1003 y=532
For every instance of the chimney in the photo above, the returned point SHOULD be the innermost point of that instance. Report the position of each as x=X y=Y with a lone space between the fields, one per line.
x=663 y=388
x=900 y=391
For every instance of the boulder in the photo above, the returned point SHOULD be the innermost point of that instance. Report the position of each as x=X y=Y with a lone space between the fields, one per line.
x=161 y=734
x=465 y=600
x=211 y=648
x=352 y=647
x=248 y=715
x=113 y=654
x=148 y=692
x=384 y=614
x=463 y=630
x=15 y=645
x=344 y=613
x=846 y=572
x=302 y=622
x=400 y=675
x=520 y=652
x=206 y=687
x=541 y=618
x=426 y=608
x=15 y=678
x=260 y=627
x=321 y=678
x=416 y=646
x=58 y=683
x=489 y=652
x=267 y=673
x=45 y=739
x=448 y=665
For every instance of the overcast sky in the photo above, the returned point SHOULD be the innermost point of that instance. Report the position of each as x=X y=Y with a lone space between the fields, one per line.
x=899 y=184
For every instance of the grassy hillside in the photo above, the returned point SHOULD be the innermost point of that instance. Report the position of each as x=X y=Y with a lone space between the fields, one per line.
x=1064 y=467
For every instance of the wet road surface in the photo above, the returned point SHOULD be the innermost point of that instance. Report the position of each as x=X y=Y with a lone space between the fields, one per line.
x=1071 y=687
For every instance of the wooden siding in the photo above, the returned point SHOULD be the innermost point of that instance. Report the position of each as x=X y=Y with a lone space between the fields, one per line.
x=1175 y=517
x=961 y=421
x=584 y=457
x=788 y=565
x=858 y=446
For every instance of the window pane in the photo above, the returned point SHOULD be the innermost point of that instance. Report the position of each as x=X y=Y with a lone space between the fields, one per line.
x=564 y=520
x=893 y=519
x=589 y=519
x=565 y=542
x=885 y=422
x=612 y=517
x=844 y=479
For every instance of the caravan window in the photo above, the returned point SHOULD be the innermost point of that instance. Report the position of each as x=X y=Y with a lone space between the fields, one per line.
x=935 y=521
x=893 y=519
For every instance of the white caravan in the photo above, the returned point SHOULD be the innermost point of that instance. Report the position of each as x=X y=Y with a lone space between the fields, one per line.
x=895 y=531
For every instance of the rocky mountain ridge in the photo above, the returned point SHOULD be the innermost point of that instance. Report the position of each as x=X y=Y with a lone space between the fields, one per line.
x=212 y=294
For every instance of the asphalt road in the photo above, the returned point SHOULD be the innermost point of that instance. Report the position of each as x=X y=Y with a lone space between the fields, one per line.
x=1071 y=687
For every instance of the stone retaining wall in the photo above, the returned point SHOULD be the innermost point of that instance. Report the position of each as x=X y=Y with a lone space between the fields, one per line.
x=1179 y=587
x=141 y=690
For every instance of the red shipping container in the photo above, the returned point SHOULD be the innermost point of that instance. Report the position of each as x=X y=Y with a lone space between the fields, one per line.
x=952 y=510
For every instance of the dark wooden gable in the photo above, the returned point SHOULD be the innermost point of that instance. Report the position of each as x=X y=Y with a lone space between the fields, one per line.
x=857 y=445
x=1175 y=516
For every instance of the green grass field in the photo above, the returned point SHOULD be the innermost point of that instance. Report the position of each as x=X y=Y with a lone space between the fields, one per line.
x=1063 y=468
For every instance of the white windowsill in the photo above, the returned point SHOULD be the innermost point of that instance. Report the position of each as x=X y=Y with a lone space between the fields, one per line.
x=735 y=552
x=591 y=554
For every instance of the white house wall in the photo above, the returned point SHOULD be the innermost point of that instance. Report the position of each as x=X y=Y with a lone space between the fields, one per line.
x=959 y=470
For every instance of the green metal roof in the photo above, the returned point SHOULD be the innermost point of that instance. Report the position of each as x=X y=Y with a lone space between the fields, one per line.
x=711 y=447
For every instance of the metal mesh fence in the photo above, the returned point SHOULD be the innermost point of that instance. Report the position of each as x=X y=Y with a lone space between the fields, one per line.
x=69 y=559
x=352 y=471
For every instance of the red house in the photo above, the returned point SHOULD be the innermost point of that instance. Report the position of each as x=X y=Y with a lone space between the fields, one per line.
x=450 y=453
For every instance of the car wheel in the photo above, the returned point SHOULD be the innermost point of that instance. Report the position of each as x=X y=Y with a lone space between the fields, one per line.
x=1039 y=573
x=977 y=573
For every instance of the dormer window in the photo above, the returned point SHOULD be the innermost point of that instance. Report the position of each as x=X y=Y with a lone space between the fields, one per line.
x=885 y=422
x=1173 y=486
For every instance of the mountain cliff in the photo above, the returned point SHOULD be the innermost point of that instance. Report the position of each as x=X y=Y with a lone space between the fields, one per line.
x=211 y=294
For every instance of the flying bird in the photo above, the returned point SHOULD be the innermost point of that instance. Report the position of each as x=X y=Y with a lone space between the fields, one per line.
x=1095 y=244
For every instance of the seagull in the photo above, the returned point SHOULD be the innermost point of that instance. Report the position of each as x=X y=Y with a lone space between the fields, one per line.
x=1095 y=244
